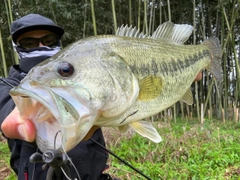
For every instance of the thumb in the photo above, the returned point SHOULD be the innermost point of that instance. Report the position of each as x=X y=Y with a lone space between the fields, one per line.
x=15 y=127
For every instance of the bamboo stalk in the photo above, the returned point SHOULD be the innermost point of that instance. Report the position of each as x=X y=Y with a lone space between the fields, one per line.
x=234 y=112
x=85 y=20
x=207 y=98
x=10 y=10
x=165 y=115
x=139 y=14
x=202 y=114
x=174 y=113
x=114 y=17
x=169 y=11
x=160 y=12
x=194 y=42
x=181 y=106
x=151 y=17
x=223 y=116
x=169 y=114
x=218 y=94
x=188 y=111
x=130 y=11
x=237 y=72
x=209 y=115
x=3 y=56
x=225 y=99
x=93 y=18
x=236 y=116
x=224 y=54
x=10 y=20
x=145 y=24
x=154 y=18
x=8 y=15
x=230 y=38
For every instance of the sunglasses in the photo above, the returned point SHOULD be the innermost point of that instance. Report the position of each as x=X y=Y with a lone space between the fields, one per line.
x=50 y=40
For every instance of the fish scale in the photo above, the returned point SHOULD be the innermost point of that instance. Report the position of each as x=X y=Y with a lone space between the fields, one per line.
x=187 y=56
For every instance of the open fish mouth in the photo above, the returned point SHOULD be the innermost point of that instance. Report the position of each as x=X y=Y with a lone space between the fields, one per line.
x=49 y=129
x=53 y=117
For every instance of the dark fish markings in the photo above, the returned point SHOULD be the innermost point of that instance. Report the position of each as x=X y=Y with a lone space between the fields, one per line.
x=128 y=116
x=168 y=67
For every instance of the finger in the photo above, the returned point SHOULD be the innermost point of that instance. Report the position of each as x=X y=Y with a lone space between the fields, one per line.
x=199 y=76
x=15 y=127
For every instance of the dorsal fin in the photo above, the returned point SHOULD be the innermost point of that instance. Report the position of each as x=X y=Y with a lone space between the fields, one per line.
x=173 y=33
x=130 y=32
x=169 y=32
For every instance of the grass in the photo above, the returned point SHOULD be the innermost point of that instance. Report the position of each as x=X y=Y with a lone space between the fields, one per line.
x=5 y=172
x=189 y=150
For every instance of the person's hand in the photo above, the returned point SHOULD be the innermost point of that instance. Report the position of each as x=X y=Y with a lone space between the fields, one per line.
x=15 y=127
x=198 y=77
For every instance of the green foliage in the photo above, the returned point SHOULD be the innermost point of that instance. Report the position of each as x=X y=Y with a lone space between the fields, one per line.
x=210 y=18
x=4 y=152
x=4 y=160
x=188 y=151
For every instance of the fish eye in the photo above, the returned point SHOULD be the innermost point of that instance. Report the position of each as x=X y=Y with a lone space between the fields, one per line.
x=65 y=69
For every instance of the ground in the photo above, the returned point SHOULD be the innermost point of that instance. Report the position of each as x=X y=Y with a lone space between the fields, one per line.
x=5 y=170
x=112 y=136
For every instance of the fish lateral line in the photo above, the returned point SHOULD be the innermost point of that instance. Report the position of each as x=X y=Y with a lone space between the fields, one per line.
x=128 y=116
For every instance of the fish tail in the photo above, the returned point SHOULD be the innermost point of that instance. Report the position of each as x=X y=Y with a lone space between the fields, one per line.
x=215 y=67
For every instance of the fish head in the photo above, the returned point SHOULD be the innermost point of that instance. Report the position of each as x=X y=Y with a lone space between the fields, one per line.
x=64 y=95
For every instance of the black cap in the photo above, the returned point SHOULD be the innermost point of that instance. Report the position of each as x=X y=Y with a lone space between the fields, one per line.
x=34 y=22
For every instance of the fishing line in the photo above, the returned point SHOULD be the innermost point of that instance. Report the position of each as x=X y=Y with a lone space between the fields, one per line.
x=68 y=158
x=120 y=159
x=67 y=175
x=55 y=139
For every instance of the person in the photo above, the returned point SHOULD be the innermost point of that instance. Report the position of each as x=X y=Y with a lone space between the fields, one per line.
x=36 y=38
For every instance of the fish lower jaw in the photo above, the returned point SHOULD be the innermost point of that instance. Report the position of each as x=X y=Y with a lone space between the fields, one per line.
x=46 y=139
x=49 y=134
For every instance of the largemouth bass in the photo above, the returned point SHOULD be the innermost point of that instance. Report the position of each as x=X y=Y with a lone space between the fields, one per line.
x=113 y=80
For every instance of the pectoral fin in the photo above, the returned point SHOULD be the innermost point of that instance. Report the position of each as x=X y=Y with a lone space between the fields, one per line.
x=146 y=129
x=188 y=97
x=150 y=88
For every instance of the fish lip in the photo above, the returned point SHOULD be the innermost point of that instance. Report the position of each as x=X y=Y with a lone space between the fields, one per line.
x=29 y=92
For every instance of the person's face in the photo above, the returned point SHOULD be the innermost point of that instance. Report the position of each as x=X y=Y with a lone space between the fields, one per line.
x=37 y=38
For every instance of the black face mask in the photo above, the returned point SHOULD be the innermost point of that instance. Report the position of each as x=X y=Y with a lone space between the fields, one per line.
x=30 y=58
x=26 y=64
